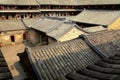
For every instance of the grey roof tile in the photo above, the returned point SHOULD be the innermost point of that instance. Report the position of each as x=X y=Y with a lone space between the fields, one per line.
x=106 y=41
x=59 y=2
x=78 y=2
x=62 y=58
x=59 y=59
x=46 y=25
x=30 y=22
x=9 y=25
x=99 y=17
x=18 y=2
x=61 y=30
x=53 y=27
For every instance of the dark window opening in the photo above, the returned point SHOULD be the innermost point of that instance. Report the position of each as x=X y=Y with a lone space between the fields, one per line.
x=31 y=16
x=84 y=25
x=22 y=16
x=25 y=15
x=44 y=40
x=12 y=38
x=7 y=17
x=25 y=36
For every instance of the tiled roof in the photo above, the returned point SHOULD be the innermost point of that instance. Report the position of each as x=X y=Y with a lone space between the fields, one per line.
x=107 y=41
x=31 y=22
x=97 y=2
x=61 y=30
x=9 y=25
x=99 y=17
x=59 y=2
x=18 y=2
x=104 y=69
x=47 y=24
x=59 y=59
x=53 y=27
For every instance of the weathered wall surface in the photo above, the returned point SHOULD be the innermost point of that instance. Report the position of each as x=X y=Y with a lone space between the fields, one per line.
x=39 y=38
x=33 y=36
x=72 y=34
x=5 y=37
x=51 y=40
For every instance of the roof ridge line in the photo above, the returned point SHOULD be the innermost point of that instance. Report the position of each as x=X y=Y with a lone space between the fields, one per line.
x=55 y=26
x=36 y=22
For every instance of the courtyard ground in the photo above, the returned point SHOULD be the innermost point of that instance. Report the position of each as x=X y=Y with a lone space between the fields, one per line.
x=10 y=54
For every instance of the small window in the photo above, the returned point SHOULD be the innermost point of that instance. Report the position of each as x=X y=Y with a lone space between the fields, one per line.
x=22 y=16
x=7 y=17
x=25 y=15
x=25 y=36
x=12 y=38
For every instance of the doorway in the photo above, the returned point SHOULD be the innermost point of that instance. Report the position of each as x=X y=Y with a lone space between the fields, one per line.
x=12 y=38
